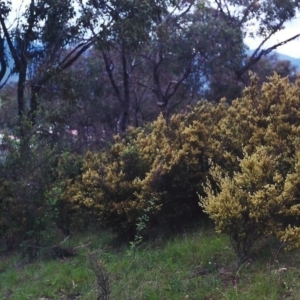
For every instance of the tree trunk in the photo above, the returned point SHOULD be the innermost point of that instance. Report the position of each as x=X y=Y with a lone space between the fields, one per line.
x=35 y=89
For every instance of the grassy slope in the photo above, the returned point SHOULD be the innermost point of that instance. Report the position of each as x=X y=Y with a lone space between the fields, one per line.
x=197 y=265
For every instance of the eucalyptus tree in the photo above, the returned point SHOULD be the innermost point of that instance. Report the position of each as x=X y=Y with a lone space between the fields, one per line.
x=44 y=40
x=129 y=27
x=173 y=50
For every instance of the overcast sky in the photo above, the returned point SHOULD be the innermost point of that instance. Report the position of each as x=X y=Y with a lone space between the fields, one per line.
x=292 y=28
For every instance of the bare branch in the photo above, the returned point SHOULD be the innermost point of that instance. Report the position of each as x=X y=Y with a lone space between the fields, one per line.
x=107 y=62
x=258 y=53
x=246 y=13
x=9 y=42
x=178 y=83
x=125 y=78
x=220 y=7
x=67 y=61
x=145 y=86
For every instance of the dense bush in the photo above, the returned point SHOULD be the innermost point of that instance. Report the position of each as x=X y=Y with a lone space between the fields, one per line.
x=247 y=204
x=68 y=166
x=242 y=160
x=7 y=216
x=161 y=166
x=253 y=143
x=26 y=213
x=259 y=195
x=33 y=212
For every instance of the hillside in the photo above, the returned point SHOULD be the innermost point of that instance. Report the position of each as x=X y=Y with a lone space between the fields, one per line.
x=293 y=60
x=197 y=265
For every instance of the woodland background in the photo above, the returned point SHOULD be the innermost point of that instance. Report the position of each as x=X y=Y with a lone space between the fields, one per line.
x=125 y=114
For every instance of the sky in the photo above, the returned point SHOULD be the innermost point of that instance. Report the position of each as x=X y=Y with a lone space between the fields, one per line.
x=292 y=28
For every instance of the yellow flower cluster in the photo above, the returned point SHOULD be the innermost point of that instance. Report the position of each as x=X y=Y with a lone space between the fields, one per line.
x=256 y=192
x=243 y=159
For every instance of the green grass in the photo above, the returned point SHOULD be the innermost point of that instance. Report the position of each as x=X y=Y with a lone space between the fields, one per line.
x=197 y=265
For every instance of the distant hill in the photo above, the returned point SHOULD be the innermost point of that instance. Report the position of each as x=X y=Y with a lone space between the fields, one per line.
x=293 y=60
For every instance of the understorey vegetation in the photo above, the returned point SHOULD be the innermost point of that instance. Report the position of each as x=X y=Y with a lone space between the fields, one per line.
x=236 y=163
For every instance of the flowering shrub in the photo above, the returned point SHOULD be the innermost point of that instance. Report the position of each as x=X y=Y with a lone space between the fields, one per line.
x=259 y=195
x=242 y=159
x=162 y=163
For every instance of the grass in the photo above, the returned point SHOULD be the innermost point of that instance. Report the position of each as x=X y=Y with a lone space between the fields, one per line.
x=196 y=265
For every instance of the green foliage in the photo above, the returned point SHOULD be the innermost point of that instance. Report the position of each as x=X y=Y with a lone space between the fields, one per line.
x=196 y=265
x=29 y=213
x=7 y=216
x=67 y=169
x=31 y=190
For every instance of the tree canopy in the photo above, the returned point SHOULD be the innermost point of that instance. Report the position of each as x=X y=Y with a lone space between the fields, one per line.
x=158 y=54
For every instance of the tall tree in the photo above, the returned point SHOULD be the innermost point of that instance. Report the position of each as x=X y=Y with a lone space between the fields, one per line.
x=129 y=27
x=44 y=41
x=3 y=62
x=165 y=47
